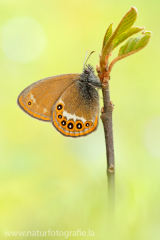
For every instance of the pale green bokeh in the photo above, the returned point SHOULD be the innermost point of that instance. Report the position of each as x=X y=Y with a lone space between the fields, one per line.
x=48 y=181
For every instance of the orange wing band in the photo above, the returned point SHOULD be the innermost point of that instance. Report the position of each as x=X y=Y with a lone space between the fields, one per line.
x=36 y=115
x=74 y=134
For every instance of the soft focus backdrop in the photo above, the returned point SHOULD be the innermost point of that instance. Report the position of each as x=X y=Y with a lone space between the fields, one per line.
x=48 y=181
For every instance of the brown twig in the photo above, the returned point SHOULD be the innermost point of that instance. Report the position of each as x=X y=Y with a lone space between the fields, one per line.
x=106 y=117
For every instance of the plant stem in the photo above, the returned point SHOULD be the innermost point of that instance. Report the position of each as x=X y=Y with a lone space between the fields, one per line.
x=107 y=124
x=104 y=76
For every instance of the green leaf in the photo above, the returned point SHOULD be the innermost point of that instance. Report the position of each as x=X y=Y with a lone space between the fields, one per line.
x=125 y=24
x=107 y=35
x=132 y=46
x=135 y=44
x=126 y=35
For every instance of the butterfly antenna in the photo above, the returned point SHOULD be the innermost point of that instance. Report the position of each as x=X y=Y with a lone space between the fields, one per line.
x=85 y=58
x=84 y=63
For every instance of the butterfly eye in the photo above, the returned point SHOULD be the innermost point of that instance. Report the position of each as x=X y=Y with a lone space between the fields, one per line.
x=87 y=71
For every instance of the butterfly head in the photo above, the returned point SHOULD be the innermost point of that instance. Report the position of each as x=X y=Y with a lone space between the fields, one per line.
x=89 y=76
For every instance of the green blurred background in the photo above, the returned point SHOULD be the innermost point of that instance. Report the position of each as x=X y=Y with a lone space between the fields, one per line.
x=48 y=181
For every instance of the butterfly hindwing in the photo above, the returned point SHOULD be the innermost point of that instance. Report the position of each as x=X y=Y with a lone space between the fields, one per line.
x=76 y=112
x=38 y=99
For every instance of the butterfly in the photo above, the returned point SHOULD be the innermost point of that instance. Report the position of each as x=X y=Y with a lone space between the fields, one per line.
x=70 y=102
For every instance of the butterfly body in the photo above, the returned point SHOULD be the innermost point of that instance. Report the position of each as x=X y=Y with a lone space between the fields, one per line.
x=69 y=101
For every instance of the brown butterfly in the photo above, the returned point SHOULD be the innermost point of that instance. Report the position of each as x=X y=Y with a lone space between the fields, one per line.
x=69 y=101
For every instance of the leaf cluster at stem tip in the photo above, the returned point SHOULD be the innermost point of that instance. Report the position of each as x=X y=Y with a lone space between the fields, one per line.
x=123 y=32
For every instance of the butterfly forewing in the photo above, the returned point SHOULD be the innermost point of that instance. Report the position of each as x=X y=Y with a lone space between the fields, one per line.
x=38 y=99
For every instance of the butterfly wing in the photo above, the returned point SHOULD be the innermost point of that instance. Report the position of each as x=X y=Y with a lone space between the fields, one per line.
x=37 y=99
x=76 y=112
